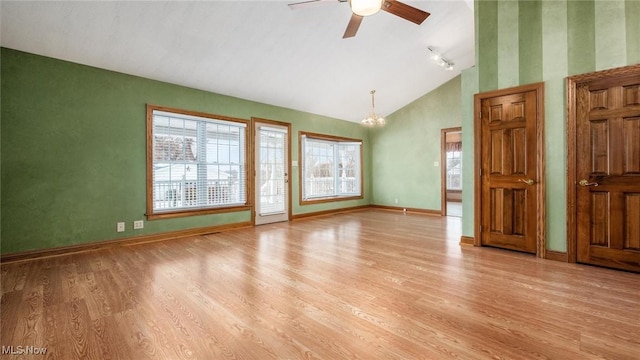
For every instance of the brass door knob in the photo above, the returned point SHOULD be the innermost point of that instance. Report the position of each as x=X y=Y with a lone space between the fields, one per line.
x=527 y=181
x=584 y=182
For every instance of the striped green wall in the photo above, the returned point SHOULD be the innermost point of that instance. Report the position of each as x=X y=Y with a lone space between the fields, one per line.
x=469 y=87
x=524 y=42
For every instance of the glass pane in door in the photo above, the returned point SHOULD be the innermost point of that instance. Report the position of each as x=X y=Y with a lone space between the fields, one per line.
x=271 y=174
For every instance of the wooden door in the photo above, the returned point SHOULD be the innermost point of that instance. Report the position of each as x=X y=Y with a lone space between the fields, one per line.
x=608 y=171
x=511 y=207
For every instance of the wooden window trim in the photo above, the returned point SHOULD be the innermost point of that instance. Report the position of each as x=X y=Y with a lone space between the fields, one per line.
x=150 y=214
x=311 y=135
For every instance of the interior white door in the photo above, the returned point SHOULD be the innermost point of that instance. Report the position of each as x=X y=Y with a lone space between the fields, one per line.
x=272 y=177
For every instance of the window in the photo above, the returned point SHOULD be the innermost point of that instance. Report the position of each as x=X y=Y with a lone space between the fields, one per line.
x=331 y=168
x=196 y=163
x=454 y=166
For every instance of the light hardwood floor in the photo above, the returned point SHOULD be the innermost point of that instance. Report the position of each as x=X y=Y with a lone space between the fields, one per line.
x=363 y=285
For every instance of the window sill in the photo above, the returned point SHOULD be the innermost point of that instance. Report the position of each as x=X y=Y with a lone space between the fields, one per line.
x=329 y=199
x=184 y=213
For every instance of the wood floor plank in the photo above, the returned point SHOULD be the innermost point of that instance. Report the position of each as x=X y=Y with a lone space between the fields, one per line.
x=371 y=284
x=75 y=332
x=10 y=305
x=14 y=280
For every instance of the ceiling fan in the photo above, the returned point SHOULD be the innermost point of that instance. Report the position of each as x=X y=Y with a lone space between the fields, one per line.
x=362 y=8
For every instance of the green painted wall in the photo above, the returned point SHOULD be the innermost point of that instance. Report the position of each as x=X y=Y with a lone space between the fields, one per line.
x=73 y=151
x=405 y=149
x=556 y=39
x=469 y=88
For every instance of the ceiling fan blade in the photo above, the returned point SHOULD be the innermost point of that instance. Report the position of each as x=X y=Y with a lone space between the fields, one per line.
x=312 y=3
x=352 y=27
x=405 y=11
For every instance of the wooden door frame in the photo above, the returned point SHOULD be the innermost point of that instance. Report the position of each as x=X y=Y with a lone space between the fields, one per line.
x=541 y=241
x=254 y=121
x=443 y=167
x=572 y=83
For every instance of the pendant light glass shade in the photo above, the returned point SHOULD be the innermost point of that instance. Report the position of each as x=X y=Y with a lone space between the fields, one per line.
x=373 y=119
x=365 y=7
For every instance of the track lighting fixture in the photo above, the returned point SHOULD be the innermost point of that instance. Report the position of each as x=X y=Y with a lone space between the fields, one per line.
x=439 y=59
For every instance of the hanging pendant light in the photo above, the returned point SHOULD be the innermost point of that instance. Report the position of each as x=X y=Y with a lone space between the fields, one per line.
x=373 y=119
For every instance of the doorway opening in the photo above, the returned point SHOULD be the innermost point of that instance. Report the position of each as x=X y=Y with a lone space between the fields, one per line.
x=451 y=171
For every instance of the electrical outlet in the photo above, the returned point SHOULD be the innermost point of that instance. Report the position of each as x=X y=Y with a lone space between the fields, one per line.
x=396 y=200
x=120 y=227
x=138 y=224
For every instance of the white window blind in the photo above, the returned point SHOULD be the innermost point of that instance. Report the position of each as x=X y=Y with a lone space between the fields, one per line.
x=197 y=162
x=330 y=168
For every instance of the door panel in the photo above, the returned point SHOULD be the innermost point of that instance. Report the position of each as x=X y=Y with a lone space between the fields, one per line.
x=632 y=146
x=608 y=172
x=508 y=210
x=599 y=147
x=509 y=171
x=632 y=219
x=600 y=223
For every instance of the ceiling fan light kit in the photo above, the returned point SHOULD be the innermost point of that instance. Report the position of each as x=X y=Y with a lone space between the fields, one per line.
x=439 y=59
x=373 y=119
x=365 y=7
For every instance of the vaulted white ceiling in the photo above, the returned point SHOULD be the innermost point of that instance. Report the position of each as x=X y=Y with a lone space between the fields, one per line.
x=256 y=50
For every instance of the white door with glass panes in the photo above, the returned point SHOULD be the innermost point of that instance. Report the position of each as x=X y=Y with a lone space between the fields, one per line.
x=272 y=173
